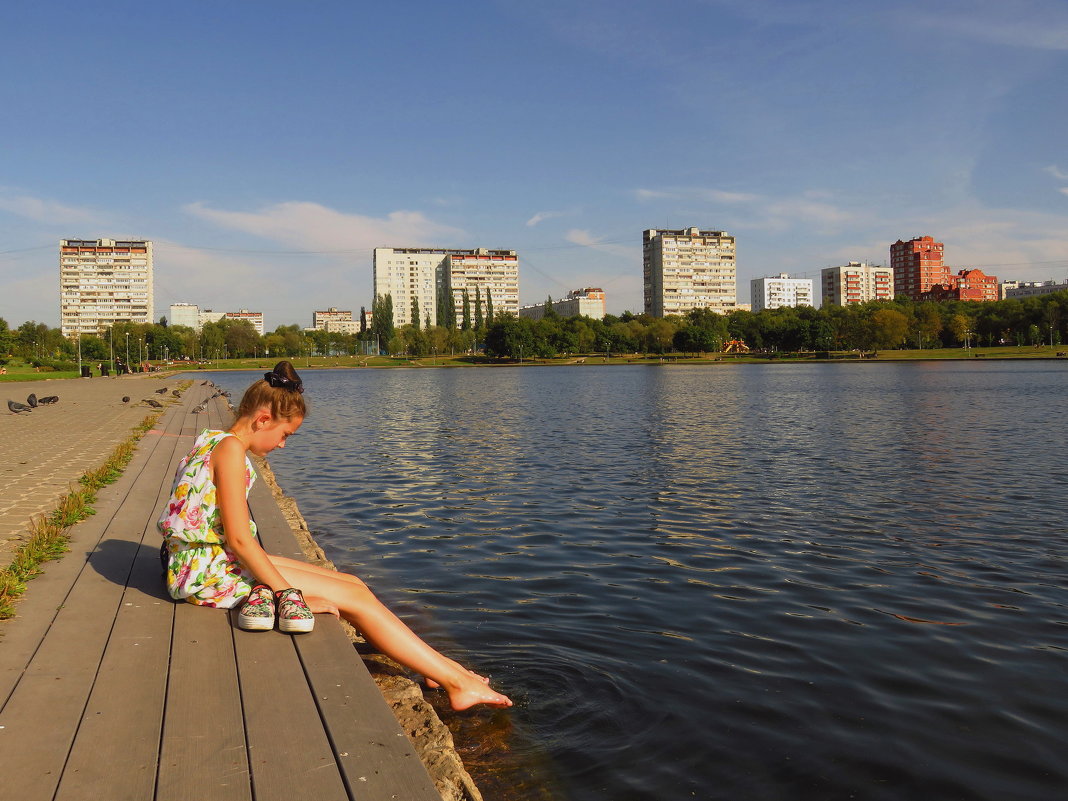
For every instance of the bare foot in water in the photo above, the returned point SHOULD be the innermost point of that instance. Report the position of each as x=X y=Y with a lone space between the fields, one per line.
x=473 y=692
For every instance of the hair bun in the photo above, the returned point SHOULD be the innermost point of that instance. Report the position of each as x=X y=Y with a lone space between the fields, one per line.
x=280 y=381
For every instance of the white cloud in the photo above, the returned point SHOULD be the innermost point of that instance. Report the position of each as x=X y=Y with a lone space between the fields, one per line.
x=752 y=211
x=583 y=238
x=315 y=227
x=1064 y=190
x=44 y=211
x=1030 y=24
x=1056 y=172
x=541 y=216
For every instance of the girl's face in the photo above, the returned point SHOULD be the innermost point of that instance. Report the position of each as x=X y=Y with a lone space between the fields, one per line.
x=272 y=432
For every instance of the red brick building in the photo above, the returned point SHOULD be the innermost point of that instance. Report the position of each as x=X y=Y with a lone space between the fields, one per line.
x=918 y=266
x=965 y=285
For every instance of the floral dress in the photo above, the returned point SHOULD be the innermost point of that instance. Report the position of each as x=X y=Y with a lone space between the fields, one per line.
x=200 y=568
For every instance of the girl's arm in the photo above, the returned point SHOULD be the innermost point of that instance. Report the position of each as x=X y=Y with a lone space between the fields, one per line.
x=228 y=465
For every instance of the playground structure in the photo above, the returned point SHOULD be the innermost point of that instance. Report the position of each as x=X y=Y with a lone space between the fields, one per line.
x=735 y=346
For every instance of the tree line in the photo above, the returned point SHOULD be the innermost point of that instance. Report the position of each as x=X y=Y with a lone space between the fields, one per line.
x=476 y=327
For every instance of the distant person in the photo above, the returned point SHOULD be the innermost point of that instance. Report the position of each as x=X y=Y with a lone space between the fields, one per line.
x=212 y=556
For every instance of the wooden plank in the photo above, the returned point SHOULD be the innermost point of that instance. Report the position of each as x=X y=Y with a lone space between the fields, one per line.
x=23 y=635
x=45 y=709
x=289 y=754
x=375 y=756
x=203 y=752
x=133 y=669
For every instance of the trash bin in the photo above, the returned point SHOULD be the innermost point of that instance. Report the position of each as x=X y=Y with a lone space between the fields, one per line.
x=87 y=371
x=105 y=371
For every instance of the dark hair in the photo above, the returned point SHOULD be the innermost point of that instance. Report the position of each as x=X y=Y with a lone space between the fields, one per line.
x=280 y=390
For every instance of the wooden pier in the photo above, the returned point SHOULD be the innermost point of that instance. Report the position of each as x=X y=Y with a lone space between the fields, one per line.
x=110 y=690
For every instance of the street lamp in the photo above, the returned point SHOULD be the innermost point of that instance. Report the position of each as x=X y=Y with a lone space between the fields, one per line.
x=127 y=351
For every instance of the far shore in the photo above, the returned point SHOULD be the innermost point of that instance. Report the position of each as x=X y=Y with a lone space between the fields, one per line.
x=1050 y=352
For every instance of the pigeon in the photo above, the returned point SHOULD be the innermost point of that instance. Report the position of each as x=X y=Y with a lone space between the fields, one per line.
x=32 y=401
x=18 y=407
x=48 y=399
x=205 y=383
x=125 y=398
x=162 y=391
x=176 y=393
x=200 y=408
x=153 y=402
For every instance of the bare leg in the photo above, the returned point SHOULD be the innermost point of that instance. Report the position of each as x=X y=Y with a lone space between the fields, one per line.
x=387 y=632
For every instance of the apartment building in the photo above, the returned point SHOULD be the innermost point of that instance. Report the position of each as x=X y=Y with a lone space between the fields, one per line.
x=856 y=282
x=421 y=274
x=688 y=269
x=321 y=318
x=187 y=314
x=256 y=318
x=775 y=292
x=918 y=266
x=102 y=282
x=1030 y=289
x=973 y=285
x=586 y=302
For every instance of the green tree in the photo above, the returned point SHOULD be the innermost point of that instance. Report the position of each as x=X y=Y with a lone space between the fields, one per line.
x=382 y=322
x=489 y=307
x=548 y=312
x=889 y=328
x=414 y=320
x=478 y=309
x=510 y=337
x=928 y=323
x=960 y=325
x=466 y=311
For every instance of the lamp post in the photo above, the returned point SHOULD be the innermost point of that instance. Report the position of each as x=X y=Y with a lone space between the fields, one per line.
x=111 y=339
x=79 y=351
x=127 y=350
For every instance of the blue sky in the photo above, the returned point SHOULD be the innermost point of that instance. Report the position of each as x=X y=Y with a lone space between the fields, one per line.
x=267 y=146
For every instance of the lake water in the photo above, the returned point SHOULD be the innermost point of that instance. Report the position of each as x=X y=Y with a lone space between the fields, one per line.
x=719 y=582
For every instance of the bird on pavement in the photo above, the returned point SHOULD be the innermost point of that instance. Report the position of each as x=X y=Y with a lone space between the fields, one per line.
x=17 y=407
x=125 y=398
x=153 y=402
x=176 y=393
x=48 y=399
x=161 y=391
x=200 y=408
x=32 y=401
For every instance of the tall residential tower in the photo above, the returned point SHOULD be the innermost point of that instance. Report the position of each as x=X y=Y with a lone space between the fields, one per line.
x=422 y=274
x=688 y=269
x=102 y=282
x=917 y=266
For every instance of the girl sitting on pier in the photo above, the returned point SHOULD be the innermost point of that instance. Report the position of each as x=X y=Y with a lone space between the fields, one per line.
x=212 y=557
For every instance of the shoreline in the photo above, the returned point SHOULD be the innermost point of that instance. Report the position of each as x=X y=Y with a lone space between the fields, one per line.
x=431 y=737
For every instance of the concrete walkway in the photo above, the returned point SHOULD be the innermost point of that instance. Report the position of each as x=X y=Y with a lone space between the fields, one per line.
x=44 y=451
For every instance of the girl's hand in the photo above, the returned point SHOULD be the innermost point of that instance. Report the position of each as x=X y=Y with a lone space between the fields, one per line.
x=317 y=604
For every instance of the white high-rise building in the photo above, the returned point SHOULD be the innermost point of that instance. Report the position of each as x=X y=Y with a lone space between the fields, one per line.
x=774 y=292
x=187 y=314
x=422 y=274
x=689 y=269
x=103 y=282
x=856 y=282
